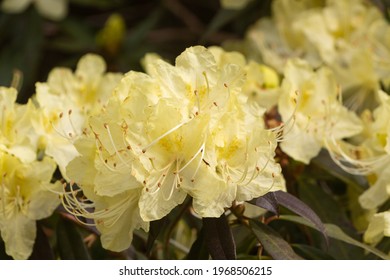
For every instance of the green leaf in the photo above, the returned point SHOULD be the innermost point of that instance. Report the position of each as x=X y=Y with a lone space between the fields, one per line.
x=139 y=32
x=154 y=232
x=311 y=253
x=335 y=232
x=272 y=242
x=199 y=249
x=332 y=210
x=222 y=18
x=101 y=4
x=42 y=249
x=23 y=40
x=219 y=238
x=325 y=162
x=70 y=243
x=302 y=209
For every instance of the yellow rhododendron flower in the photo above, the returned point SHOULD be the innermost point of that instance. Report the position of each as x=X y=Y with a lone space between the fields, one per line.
x=66 y=100
x=184 y=129
x=114 y=207
x=16 y=133
x=350 y=37
x=261 y=84
x=311 y=97
x=378 y=227
x=52 y=9
x=371 y=156
x=26 y=195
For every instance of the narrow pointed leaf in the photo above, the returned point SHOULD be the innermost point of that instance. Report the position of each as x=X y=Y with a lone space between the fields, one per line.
x=70 y=243
x=198 y=249
x=219 y=238
x=272 y=242
x=302 y=209
x=335 y=232
x=154 y=232
x=268 y=202
x=42 y=249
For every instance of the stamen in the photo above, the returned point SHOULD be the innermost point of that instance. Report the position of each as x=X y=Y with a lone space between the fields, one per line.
x=351 y=165
x=164 y=135
x=207 y=82
x=106 y=126
x=67 y=135
x=100 y=153
x=197 y=101
x=279 y=130
x=200 y=150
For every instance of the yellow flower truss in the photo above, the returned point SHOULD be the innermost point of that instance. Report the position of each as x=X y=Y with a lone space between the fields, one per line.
x=179 y=130
x=26 y=195
x=312 y=98
x=66 y=100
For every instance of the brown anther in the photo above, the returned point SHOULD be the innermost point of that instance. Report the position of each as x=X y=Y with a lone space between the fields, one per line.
x=257 y=168
x=128 y=147
x=208 y=164
x=105 y=125
x=159 y=184
x=70 y=112
x=144 y=182
x=215 y=104
x=114 y=164
x=61 y=115
x=225 y=85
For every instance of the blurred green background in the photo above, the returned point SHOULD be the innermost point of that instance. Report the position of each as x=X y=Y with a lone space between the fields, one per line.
x=122 y=31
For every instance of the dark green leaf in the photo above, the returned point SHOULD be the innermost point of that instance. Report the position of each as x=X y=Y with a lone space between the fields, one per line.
x=272 y=242
x=101 y=4
x=42 y=249
x=337 y=233
x=139 y=32
x=330 y=210
x=311 y=253
x=22 y=51
x=220 y=19
x=219 y=238
x=70 y=243
x=154 y=232
x=325 y=162
x=299 y=207
x=199 y=249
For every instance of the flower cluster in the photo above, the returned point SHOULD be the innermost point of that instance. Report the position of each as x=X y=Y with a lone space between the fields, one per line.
x=132 y=147
x=347 y=43
x=37 y=137
x=179 y=130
